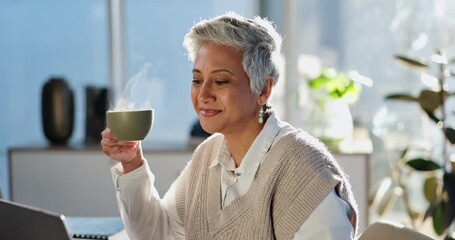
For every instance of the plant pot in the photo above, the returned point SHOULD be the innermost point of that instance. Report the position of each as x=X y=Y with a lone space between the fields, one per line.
x=332 y=122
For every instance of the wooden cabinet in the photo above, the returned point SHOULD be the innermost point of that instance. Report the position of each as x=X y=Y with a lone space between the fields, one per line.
x=77 y=181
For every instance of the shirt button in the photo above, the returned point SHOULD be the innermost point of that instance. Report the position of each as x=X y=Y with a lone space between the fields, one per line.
x=235 y=174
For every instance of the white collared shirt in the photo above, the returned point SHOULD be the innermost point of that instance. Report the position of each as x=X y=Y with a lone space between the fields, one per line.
x=330 y=220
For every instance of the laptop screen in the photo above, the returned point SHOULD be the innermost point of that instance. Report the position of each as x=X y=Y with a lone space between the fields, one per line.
x=23 y=222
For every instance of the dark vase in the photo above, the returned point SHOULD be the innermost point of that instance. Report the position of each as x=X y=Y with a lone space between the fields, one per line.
x=96 y=103
x=57 y=108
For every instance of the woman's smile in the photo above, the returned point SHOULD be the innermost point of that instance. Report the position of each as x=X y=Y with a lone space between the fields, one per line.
x=206 y=112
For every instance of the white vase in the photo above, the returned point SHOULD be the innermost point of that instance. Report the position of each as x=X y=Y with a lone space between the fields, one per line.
x=332 y=121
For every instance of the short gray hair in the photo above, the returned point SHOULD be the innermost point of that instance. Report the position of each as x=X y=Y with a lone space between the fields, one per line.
x=255 y=38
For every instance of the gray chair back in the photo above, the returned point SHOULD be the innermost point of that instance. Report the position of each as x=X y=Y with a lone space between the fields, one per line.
x=390 y=230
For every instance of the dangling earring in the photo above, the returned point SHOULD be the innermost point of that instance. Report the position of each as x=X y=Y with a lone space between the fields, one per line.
x=261 y=115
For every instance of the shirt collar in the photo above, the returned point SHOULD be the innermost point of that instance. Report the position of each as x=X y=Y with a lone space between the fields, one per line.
x=257 y=151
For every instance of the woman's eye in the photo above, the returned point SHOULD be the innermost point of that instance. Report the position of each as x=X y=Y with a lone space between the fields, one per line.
x=196 y=82
x=220 y=82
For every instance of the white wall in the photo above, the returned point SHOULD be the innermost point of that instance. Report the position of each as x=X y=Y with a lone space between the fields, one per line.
x=40 y=39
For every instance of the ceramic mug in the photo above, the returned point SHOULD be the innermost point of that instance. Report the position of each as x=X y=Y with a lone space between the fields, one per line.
x=131 y=125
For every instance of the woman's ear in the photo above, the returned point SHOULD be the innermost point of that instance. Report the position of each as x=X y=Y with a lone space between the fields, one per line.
x=267 y=91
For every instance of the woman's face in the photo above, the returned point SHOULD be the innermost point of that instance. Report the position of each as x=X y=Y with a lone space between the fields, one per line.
x=221 y=92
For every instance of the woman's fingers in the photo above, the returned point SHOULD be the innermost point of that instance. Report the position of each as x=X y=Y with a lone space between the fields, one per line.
x=107 y=133
x=109 y=142
x=109 y=139
x=123 y=151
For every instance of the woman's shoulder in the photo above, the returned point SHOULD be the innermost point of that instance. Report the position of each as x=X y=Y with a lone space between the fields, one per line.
x=299 y=139
x=299 y=149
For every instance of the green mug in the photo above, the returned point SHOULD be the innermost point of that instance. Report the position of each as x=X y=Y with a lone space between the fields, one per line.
x=131 y=125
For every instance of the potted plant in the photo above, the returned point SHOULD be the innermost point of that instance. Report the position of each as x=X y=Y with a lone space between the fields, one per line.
x=331 y=93
x=434 y=163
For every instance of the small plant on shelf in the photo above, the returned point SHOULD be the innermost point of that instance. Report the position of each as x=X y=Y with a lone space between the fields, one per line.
x=332 y=92
x=332 y=85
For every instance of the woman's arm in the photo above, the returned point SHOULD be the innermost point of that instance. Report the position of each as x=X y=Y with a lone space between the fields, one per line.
x=146 y=216
x=329 y=221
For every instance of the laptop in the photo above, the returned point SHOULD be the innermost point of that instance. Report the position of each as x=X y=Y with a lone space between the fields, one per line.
x=20 y=221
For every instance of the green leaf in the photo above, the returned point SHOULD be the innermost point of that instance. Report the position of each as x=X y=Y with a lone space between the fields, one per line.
x=437 y=219
x=450 y=134
x=336 y=85
x=318 y=82
x=403 y=153
x=430 y=188
x=403 y=97
x=449 y=186
x=443 y=216
x=411 y=62
x=421 y=164
x=430 y=100
x=433 y=117
x=430 y=211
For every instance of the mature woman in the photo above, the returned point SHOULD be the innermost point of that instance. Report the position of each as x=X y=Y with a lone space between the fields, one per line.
x=256 y=177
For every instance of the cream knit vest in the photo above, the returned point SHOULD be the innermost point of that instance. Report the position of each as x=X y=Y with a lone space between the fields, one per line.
x=295 y=176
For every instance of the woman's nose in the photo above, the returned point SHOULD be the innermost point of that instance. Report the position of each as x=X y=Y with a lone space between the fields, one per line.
x=205 y=92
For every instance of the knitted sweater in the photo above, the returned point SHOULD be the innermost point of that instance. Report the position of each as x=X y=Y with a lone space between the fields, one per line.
x=295 y=176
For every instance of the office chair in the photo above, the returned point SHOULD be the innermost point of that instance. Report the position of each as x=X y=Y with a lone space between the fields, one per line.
x=389 y=230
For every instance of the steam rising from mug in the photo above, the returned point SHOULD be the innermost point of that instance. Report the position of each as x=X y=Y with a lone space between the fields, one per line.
x=132 y=117
x=137 y=92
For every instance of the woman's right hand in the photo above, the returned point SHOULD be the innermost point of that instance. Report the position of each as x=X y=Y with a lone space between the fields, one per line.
x=129 y=153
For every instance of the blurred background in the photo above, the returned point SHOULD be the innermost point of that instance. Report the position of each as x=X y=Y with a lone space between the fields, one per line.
x=75 y=40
